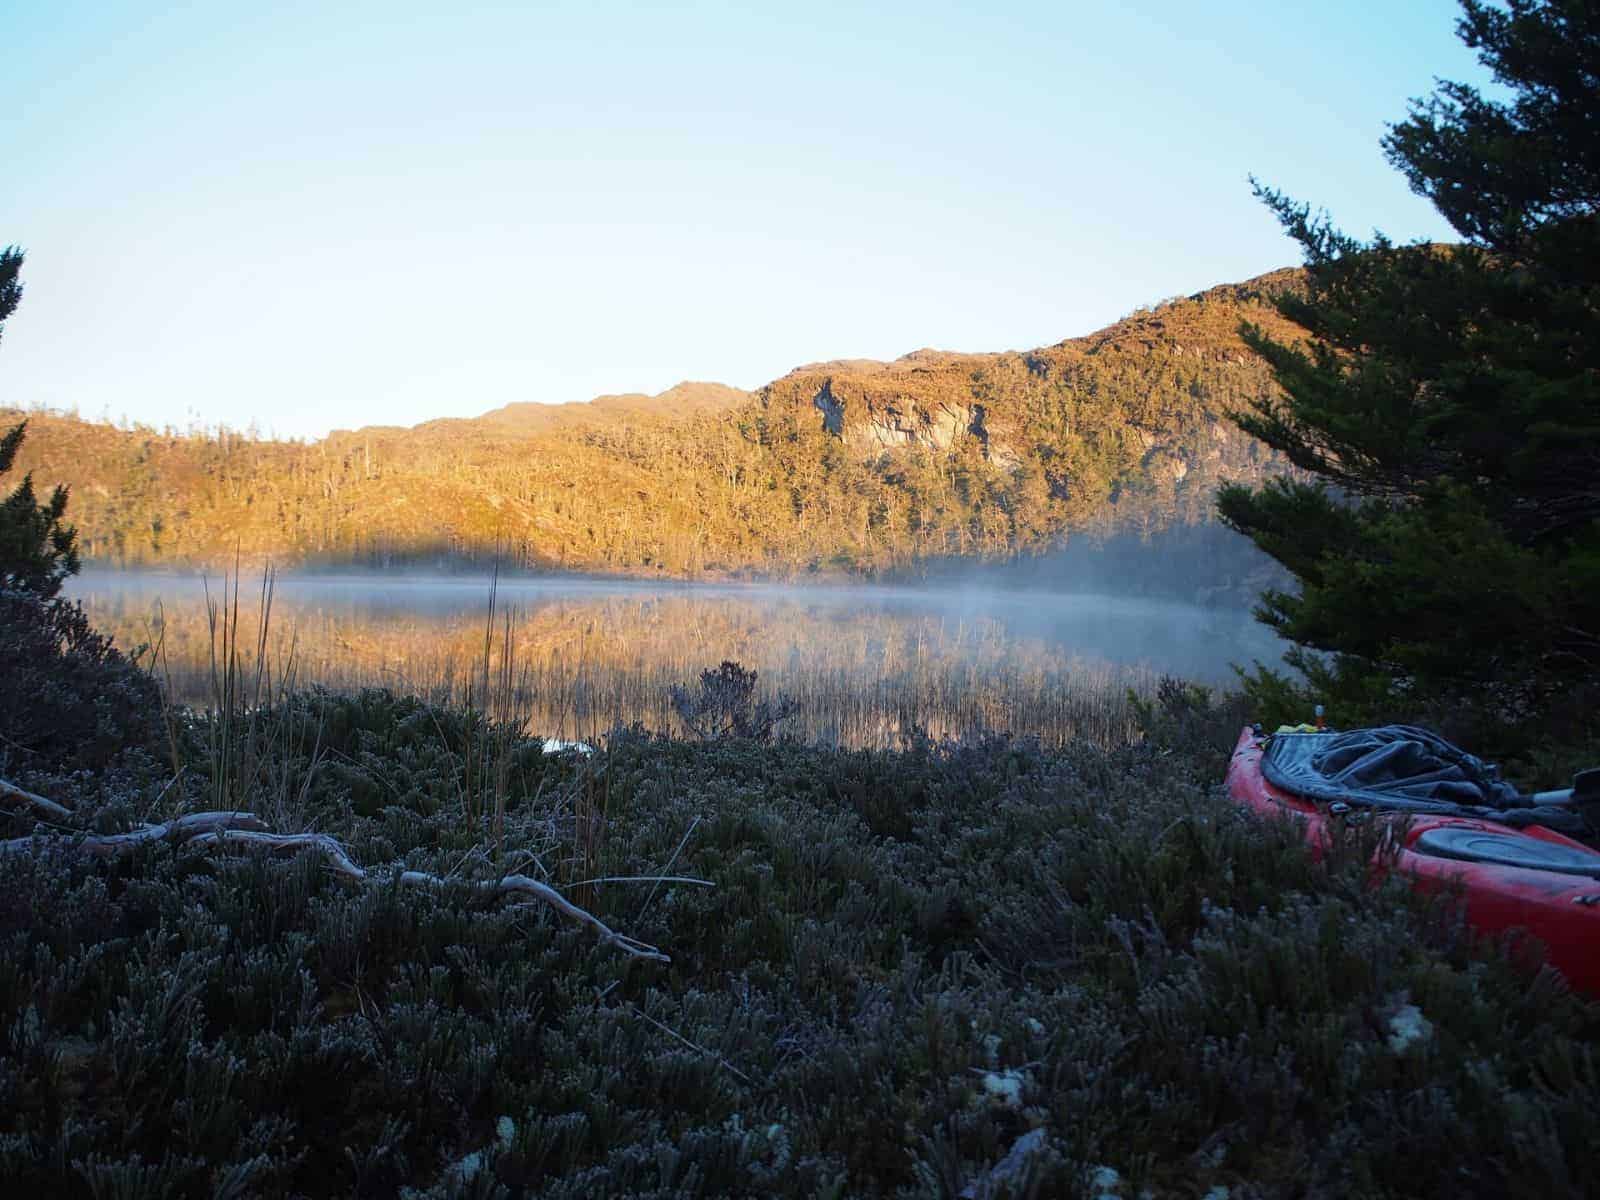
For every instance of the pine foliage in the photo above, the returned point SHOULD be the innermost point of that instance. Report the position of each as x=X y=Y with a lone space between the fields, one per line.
x=1447 y=404
x=69 y=697
x=37 y=548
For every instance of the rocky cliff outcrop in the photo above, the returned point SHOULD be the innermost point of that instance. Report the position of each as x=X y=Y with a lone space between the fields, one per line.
x=899 y=418
x=1170 y=373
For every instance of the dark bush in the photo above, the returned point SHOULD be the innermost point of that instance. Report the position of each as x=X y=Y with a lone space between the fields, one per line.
x=70 y=698
x=1190 y=719
x=725 y=706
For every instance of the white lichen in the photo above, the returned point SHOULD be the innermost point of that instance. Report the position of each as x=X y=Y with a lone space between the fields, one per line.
x=505 y=1132
x=1105 y=1183
x=1407 y=1027
x=1004 y=1087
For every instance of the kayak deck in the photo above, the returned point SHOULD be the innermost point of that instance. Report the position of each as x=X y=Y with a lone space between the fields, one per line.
x=1530 y=879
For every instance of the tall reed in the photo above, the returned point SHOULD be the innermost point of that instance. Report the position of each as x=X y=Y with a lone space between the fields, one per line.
x=498 y=707
x=249 y=761
x=576 y=669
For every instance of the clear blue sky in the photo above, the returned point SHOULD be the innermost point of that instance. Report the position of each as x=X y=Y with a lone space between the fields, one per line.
x=321 y=215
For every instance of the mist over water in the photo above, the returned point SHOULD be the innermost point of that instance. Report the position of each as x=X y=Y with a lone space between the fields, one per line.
x=866 y=663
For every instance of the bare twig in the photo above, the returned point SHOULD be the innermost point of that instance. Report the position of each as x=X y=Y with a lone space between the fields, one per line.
x=176 y=779
x=687 y=833
x=643 y=879
x=697 y=1049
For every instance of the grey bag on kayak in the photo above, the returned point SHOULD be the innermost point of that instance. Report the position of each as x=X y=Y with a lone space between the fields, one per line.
x=1404 y=768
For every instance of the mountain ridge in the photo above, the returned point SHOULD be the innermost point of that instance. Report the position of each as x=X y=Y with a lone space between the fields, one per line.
x=858 y=467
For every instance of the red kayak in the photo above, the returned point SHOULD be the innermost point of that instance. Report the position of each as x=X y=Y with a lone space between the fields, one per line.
x=1527 y=878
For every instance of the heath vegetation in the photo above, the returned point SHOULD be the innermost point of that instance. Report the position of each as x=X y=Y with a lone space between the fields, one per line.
x=288 y=940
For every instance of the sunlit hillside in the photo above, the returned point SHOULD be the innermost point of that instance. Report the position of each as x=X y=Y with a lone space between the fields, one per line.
x=836 y=468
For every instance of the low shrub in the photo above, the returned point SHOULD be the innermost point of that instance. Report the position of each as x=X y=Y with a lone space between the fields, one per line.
x=725 y=705
x=908 y=962
x=71 y=699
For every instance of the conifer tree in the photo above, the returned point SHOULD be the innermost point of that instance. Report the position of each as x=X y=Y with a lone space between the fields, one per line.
x=70 y=698
x=10 y=283
x=38 y=550
x=1445 y=411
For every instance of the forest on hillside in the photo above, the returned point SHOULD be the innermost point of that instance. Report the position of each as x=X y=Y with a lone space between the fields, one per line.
x=853 y=468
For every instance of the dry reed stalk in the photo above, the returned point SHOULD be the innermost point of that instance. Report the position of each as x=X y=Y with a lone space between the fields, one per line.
x=581 y=668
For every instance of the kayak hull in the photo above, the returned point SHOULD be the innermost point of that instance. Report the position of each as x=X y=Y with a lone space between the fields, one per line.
x=1560 y=909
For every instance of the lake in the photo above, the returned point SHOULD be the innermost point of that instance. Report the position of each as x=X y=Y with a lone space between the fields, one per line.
x=866 y=665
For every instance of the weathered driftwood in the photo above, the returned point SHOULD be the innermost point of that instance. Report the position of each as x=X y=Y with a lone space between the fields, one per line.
x=246 y=829
x=183 y=829
x=508 y=885
x=522 y=885
x=327 y=846
x=12 y=794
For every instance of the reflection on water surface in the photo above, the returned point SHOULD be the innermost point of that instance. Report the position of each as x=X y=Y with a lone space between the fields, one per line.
x=866 y=664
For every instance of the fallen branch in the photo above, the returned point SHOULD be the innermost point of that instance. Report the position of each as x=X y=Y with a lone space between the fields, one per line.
x=246 y=829
x=509 y=885
x=109 y=845
x=11 y=793
x=523 y=885
x=277 y=842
